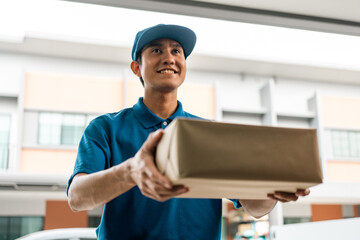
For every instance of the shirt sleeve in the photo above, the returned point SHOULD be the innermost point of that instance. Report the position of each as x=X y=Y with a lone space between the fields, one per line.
x=93 y=152
x=236 y=203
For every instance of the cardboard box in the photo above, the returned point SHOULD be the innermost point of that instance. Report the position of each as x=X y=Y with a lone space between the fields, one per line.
x=223 y=160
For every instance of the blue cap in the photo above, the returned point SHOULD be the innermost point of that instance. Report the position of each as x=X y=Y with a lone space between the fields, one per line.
x=183 y=35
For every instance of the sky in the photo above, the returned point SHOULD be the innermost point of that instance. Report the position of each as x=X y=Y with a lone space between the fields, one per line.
x=117 y=26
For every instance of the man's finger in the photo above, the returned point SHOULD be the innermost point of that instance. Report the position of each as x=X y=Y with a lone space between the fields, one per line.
x=158 y=189
x=154 y=174
x=148 y=193
x=161 y=196
x=176 y=190
x=285 y=196
x=165 y=197
x=302 y=192
x=166 y=194
x=272 y=196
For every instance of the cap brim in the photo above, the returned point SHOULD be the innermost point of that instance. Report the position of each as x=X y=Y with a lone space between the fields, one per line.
x=185 y=36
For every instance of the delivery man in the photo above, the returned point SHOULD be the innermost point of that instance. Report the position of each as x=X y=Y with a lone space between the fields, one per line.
x=115 y=161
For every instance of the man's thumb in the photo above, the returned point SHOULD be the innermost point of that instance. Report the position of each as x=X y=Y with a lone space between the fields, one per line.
x=153 y=140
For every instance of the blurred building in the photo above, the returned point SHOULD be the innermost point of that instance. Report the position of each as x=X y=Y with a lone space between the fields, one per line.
x=51 y=88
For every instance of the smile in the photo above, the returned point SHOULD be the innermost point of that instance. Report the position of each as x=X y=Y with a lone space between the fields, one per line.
x=167 y=71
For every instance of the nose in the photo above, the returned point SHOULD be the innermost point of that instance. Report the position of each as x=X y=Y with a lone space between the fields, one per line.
x=168 y=58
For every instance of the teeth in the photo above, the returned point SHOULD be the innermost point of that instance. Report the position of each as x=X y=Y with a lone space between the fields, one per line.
x=167 y=71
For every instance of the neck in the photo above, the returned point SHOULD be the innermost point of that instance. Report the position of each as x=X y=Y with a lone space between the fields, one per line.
x=162 y=105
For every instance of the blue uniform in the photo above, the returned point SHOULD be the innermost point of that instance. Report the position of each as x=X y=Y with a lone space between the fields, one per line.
x=112 y=139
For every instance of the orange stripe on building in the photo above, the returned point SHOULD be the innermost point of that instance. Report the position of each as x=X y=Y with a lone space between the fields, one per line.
x=356 y=211
x=59 y=215
x=326 y=212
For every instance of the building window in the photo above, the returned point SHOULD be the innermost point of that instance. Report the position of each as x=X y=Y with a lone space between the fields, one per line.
x=62 y=128
x=94 y=221
x=345 y=143
x=72 y=128
x=292 y=220
x=50 y=128
x=14 y=227
x=4 y=141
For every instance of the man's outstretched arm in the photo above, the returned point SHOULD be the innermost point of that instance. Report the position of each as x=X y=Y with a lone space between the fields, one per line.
x=88 y=191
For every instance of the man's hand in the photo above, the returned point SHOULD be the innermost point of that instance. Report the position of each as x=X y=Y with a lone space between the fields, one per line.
x=259 y=208
x=146 y=176
x=287 y=197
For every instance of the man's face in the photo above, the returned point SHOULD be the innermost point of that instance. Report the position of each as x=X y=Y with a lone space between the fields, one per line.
x=163 y=65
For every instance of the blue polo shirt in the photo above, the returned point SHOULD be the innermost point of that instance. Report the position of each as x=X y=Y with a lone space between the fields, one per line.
x=112 y=139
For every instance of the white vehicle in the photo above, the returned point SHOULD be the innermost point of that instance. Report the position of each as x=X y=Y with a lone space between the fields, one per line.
x=62 y=234
x=330 y=230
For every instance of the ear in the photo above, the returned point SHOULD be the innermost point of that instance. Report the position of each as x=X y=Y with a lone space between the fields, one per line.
x=135 y=67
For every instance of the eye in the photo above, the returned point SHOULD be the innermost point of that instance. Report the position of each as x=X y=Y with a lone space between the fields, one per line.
x=177 y=51
x=156 y=50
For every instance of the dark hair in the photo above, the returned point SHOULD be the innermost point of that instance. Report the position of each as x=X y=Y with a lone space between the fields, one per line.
x=138 y=60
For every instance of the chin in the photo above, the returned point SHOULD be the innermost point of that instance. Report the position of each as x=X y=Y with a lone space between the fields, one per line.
x=169 y=87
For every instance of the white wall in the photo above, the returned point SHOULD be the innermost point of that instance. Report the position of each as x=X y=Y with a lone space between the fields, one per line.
x=30 y=133
x=11 y=73
x=22 y=207
x=19 y=64
x=296 y=210
x=9 y=106
x=291 y=94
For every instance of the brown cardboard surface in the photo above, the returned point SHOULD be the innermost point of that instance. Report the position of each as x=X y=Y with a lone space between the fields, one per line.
x=222 y=160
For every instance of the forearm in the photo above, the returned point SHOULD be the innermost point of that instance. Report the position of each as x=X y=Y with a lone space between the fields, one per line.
x=258 y=208
x=88 y=191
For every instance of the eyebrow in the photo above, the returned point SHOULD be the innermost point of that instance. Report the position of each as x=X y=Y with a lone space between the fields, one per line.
x=157 y=44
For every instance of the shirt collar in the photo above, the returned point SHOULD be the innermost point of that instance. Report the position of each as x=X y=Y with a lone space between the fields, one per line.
x=149 y=119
